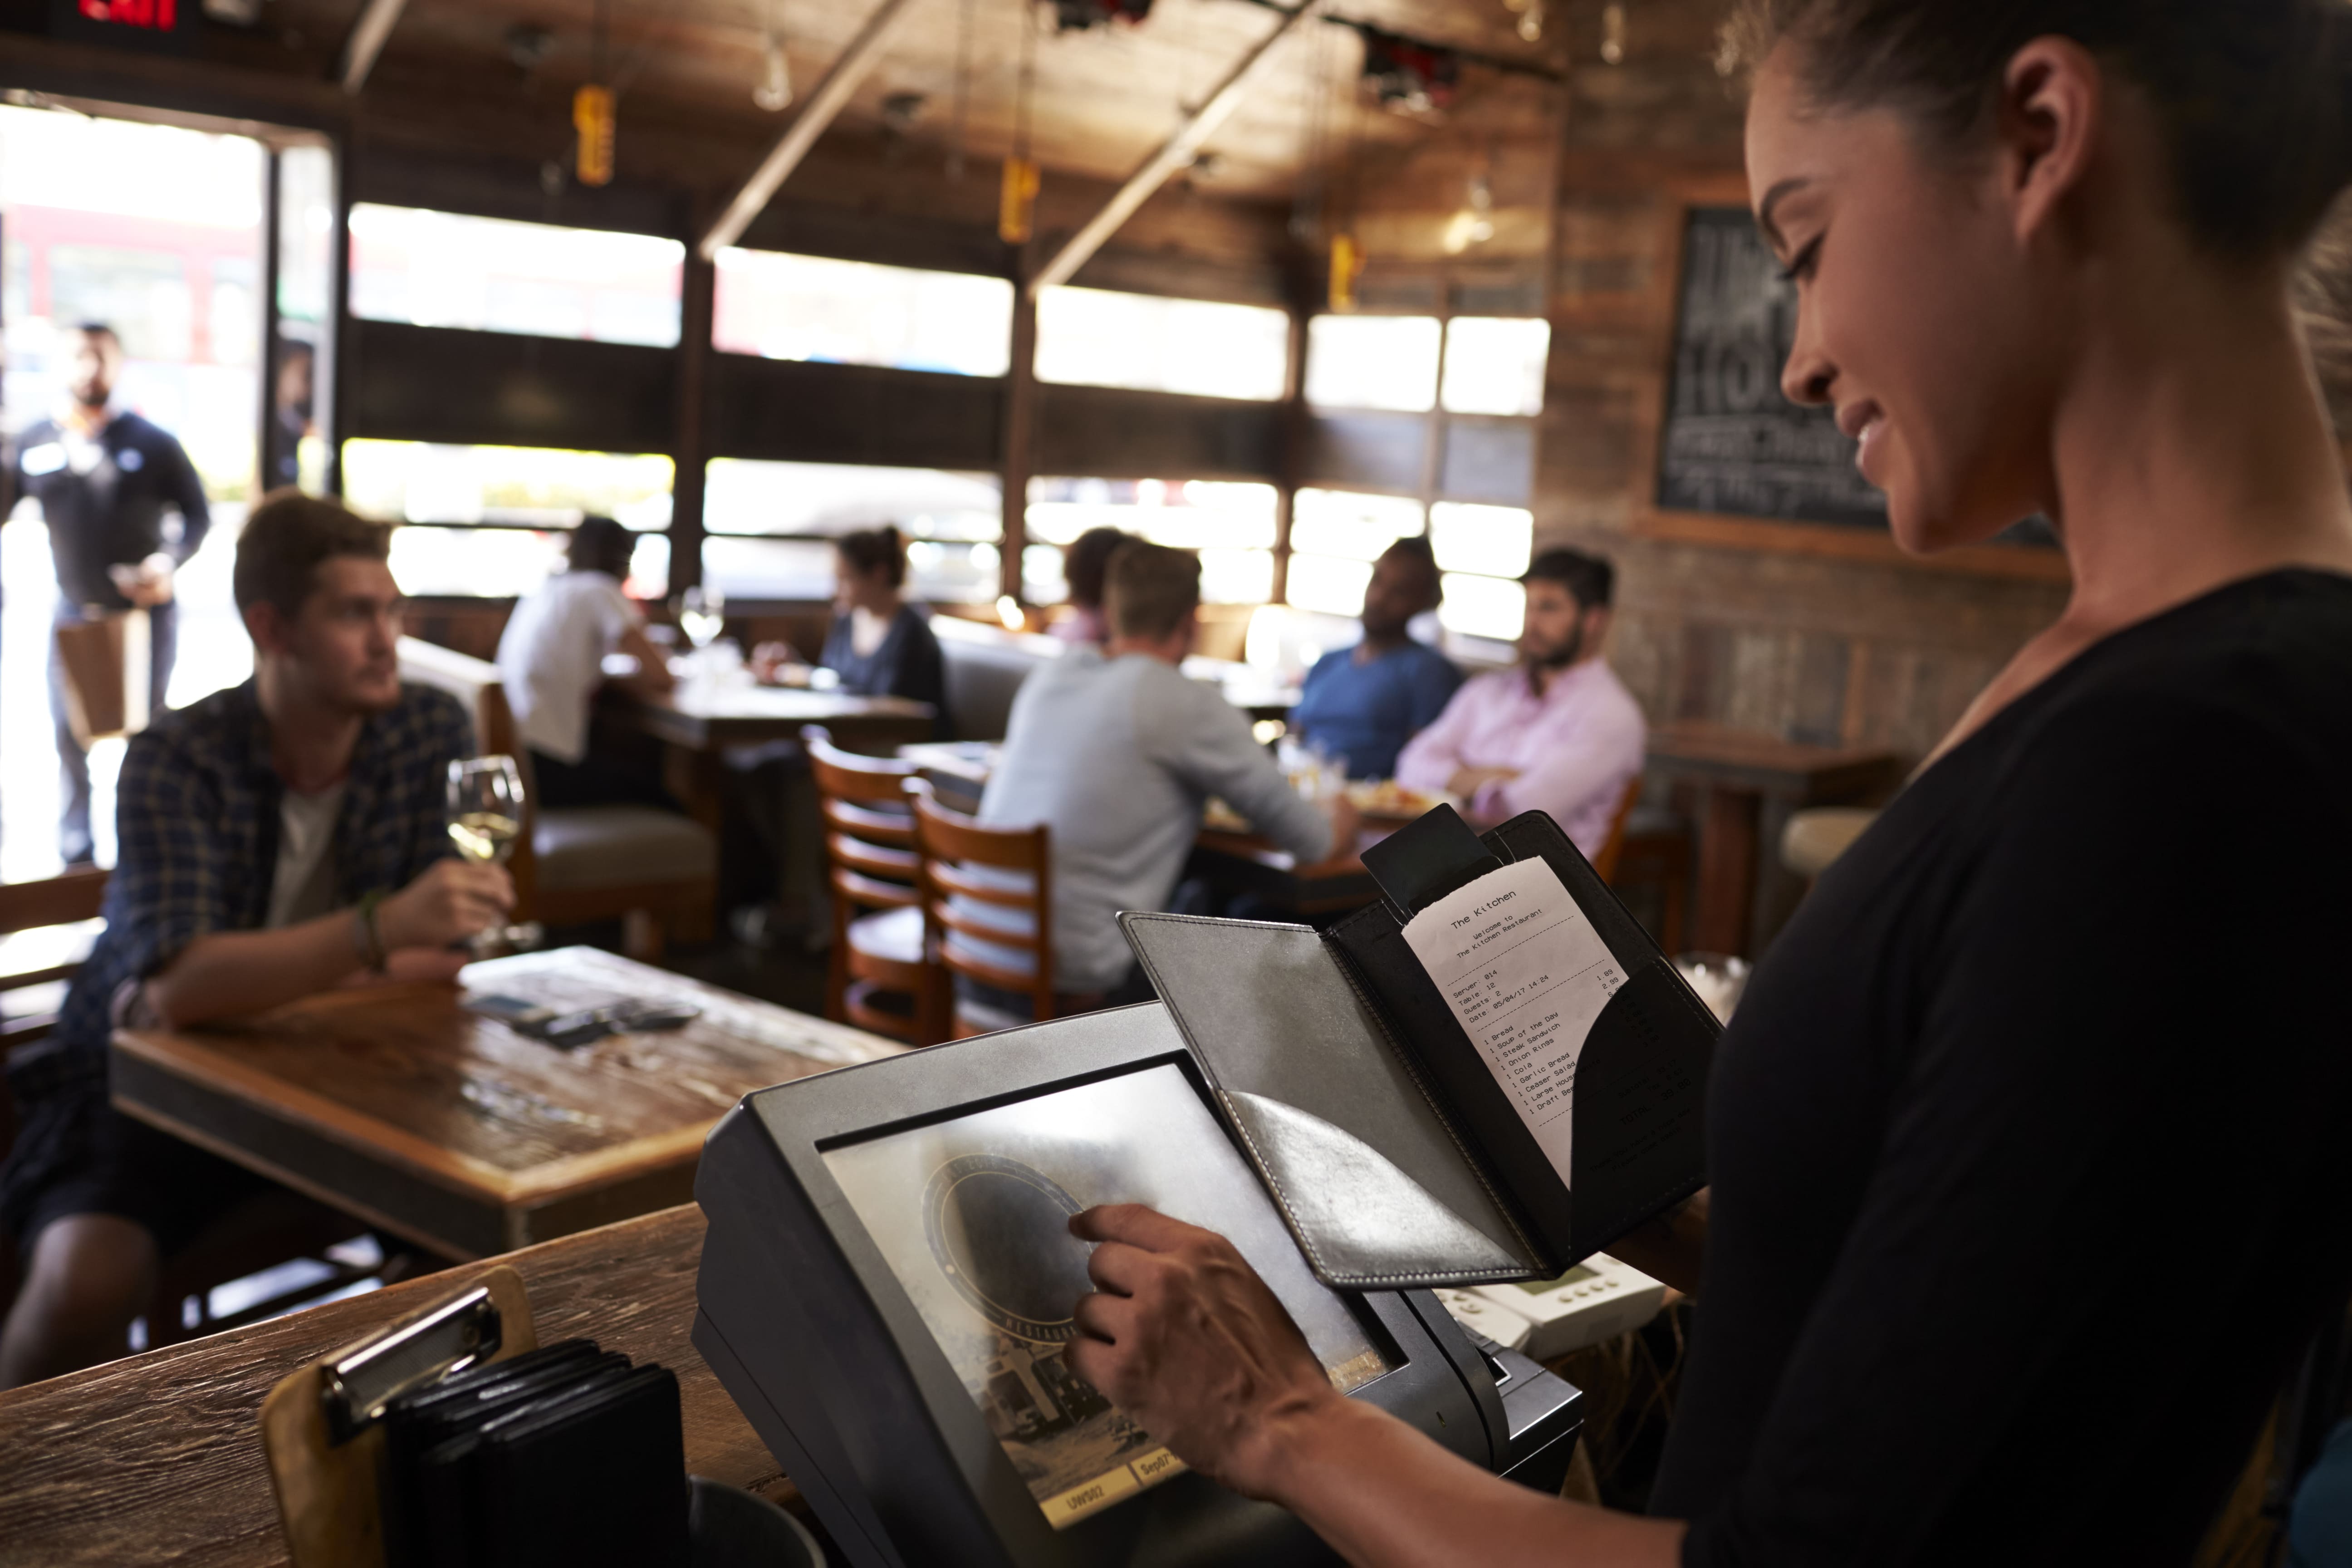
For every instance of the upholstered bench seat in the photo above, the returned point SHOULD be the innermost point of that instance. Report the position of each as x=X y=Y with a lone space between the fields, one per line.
x=596 y=847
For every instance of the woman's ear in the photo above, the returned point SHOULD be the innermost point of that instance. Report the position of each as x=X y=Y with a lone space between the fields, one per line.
x=2053 y=112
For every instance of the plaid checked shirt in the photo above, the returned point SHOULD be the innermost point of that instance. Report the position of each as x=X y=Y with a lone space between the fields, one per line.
x=197 y=825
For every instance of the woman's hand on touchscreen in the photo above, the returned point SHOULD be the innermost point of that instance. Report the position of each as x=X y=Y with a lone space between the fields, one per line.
x=1183 y=1335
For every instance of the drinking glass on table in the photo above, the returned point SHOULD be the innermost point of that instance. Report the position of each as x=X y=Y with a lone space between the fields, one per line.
x=701 y=615
x=485 y=818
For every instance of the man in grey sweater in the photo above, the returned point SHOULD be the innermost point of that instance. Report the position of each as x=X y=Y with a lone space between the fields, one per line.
x=1117 y=751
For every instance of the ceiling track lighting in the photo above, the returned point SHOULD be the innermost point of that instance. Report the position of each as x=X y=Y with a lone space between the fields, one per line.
x=1078 y=16
x=1409 y=76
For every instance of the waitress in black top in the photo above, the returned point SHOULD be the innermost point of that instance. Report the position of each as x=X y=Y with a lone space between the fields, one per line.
x=2031 y=1144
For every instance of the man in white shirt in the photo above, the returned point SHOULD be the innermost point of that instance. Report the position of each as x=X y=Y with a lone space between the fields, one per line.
x=551 y=661
x=1560 y=733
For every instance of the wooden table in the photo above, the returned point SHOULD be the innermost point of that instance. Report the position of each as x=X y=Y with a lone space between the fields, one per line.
x=398 y=1106
x=1245 y=863
x=157 y=1459
x=1750 y=784
x=698 y=721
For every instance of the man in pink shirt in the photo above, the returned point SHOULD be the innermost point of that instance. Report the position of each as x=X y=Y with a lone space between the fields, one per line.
x=1558 y=733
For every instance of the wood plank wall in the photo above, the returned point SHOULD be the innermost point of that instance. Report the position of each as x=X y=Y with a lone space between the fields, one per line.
x=1810 y=648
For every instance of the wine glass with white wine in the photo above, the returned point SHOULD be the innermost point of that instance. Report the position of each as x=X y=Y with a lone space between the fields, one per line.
x=701 y=616
x=485 y=818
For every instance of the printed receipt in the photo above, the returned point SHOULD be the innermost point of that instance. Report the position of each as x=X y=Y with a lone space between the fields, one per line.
x=1526 y=975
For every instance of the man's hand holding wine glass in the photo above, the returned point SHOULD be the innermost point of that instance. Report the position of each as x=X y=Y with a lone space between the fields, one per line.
x=452 y=902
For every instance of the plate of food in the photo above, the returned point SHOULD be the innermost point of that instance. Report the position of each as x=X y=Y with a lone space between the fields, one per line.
x=1385 y=800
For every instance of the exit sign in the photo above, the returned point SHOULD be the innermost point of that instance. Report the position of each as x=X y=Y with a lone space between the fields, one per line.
x=169 y=25
x=154 y=15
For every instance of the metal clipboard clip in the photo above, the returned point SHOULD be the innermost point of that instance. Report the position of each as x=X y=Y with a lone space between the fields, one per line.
x=355 y=1386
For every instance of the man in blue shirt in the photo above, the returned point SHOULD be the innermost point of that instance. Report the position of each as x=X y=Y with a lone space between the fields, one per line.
x=1364 y=703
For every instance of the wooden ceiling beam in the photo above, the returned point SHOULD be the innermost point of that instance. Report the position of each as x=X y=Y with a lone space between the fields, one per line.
x=831 y=95
x=1177 y=153
x=374 y=26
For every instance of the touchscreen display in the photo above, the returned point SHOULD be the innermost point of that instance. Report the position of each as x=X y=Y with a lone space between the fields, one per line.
x=973 y=1216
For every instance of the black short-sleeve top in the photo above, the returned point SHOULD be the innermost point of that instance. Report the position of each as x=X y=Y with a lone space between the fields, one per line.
x=2032 y=1141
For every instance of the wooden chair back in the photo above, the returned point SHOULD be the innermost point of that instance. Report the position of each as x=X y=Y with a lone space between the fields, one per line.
x=953 y=845
x=869 y=832
x=66 y=900
x=1613 y=849
x=880 y=973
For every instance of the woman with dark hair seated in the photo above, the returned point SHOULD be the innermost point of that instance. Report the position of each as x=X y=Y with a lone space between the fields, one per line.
x=880 y=645
x=2059 y=1023
x=1086 y=565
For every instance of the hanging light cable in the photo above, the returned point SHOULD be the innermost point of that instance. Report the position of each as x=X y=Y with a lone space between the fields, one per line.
x=775 y=89
x=592 y=111
x=1017 y=200
x=957 y=146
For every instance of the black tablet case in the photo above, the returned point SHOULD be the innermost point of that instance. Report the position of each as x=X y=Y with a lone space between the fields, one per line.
x=1396 y=1158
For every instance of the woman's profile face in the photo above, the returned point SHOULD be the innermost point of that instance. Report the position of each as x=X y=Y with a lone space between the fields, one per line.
x=1918 y=317
x=856 y=590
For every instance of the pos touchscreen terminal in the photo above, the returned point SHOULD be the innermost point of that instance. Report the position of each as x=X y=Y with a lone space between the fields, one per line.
x=888 y=1283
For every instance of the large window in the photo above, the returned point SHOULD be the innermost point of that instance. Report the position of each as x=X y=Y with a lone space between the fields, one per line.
x=855 y=312
x=1482 y=550
x=1373 y=361
x=1230 y=524
x=1335 y=537
x=491 y=520
x=445 y=270
x=156 y=231
x=1095 y=338
x=1488 y=368
x=769 y=524
x=1495 y=365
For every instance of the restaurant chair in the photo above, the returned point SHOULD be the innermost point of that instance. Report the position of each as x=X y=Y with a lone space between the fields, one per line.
x=262 y=1234
x=45 y=935
x=991 y=895
x=44 y=938
x=1650 y=847
x=51 y=921
x=655 y=871
x=880 y=973
x=1613 y=849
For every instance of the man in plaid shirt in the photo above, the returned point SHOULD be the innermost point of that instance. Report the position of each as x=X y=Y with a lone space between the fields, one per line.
x=276 y=839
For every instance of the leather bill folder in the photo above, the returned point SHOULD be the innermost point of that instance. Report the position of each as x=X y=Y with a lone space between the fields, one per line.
x=1396 y=1155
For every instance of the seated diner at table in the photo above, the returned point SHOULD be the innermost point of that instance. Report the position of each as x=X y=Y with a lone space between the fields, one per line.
x=880 y=643
x=278 y=838
x=2035 y=1035
x=1363 y=703
x=1118 y=752
x=1083 y=565
x=551 y=663
x=1557 y=732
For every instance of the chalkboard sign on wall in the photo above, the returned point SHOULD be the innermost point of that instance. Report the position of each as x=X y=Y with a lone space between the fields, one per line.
x=1731 y=443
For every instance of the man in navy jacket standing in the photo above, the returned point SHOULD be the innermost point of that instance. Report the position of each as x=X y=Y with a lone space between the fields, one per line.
x=109 y=482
